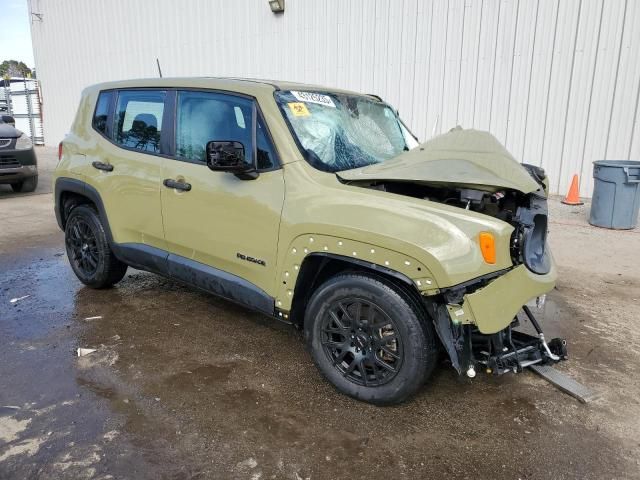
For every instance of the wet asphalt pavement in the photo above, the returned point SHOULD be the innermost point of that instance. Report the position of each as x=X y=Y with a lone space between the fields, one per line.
x=187 y=386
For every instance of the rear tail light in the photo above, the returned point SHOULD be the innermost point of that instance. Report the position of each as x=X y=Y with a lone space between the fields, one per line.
x=60 y=151
x=487 y=246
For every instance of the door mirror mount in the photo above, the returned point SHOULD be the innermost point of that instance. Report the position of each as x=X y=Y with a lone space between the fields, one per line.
x=229 y=156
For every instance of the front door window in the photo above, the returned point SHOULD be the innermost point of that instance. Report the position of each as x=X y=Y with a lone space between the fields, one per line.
x=206 y=116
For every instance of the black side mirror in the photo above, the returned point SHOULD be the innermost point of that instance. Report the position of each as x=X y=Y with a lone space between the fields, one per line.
x=9 y=119
x=228 y=156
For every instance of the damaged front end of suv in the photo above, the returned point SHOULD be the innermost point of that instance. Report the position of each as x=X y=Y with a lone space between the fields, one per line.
x=477 y=320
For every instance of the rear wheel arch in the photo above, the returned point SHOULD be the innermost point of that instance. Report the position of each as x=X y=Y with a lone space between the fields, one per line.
x=70 y=200
x=71 y=192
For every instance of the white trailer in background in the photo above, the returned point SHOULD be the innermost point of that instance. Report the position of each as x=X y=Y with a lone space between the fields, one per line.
x=20 y=98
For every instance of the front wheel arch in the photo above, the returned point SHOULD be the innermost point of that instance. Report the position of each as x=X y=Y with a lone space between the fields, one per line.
x=344 y=253
x=319 y=267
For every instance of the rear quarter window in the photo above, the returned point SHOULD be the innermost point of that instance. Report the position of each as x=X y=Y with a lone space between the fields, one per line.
x=101 y=113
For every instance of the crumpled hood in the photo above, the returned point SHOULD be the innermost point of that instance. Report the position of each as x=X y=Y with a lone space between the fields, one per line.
x=466 y=158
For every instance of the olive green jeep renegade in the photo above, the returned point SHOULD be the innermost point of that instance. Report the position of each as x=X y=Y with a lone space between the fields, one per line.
x=316 y=206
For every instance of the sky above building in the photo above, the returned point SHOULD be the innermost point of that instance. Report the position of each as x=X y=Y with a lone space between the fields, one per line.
x=15 y=32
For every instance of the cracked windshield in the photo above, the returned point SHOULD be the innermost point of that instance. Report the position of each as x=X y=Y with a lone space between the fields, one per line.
x=341 y=132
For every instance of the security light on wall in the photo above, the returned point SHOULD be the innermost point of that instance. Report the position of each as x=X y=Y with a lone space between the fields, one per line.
x=277 y=6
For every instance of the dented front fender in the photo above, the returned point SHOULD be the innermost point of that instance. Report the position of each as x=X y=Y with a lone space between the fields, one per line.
x=385 y=259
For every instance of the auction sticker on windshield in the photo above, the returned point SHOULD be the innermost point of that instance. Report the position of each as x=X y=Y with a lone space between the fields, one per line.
x=311 y=97
x=299 y=109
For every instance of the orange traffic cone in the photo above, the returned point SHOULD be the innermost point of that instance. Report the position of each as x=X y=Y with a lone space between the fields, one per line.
x=573 y=196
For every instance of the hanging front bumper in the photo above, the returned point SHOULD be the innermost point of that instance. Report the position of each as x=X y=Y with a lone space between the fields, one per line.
x=492 y=307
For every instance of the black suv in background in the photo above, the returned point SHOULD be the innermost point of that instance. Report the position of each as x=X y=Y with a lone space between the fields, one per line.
x=18 y=163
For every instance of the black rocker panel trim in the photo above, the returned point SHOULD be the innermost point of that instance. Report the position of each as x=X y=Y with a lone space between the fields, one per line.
x=142 y=257
x=221 y=283
x=196 y=274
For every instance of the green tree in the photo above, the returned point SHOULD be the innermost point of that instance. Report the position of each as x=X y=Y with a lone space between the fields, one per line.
x=14 y=68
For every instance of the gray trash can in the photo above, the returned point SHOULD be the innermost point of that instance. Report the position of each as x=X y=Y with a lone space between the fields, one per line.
x=616 y=194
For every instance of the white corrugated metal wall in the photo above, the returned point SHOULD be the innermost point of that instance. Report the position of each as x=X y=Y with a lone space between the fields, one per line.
x=556 y=81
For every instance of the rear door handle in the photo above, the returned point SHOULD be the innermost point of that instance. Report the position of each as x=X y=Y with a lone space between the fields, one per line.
x=171 y=183
x=107 y=167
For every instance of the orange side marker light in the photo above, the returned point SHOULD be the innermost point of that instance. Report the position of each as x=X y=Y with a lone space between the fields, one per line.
x=487 y=246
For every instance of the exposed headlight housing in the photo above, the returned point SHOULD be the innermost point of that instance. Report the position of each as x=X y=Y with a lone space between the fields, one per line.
x=23 y=142
x=529 y=239
x=534 y=250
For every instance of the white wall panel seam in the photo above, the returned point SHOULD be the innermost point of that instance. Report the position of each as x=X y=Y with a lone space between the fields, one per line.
x=526 y=108
x=373 y=27
x=427 y=75
x=635 y=122
x=444 y=68
x=546 y=110
x=593 y=76
x=464 y=10
x=513 y=58
x=629 y=75
x=493 y=74
x=415 y=64
x=564 y=128
x=615 y=82
x=475 y=88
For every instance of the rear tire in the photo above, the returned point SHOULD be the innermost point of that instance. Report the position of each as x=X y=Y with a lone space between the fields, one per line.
x=26 y=185
x=369 y=339
x=88 y=250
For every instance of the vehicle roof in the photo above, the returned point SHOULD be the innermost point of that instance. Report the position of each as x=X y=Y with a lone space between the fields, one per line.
x=243 y=85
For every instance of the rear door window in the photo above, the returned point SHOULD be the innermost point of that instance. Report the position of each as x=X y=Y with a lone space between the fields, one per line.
x=138 y=119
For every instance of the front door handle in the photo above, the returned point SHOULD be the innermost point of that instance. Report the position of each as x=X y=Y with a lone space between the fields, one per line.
x=107 y=167
x=171 y=183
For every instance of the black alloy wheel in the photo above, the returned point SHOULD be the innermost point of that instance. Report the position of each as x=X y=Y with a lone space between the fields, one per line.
x=81 y=243
x=361 y=341
x=370 y=338
x=88 y=249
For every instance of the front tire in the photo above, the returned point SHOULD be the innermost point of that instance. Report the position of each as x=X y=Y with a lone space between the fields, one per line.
x=369 y=339
x=88 y=250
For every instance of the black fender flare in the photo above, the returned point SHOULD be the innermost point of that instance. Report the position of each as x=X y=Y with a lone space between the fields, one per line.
x=363 y=264
x=309 y=275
